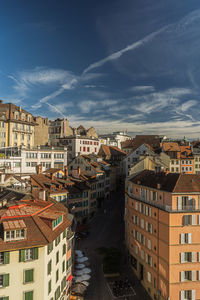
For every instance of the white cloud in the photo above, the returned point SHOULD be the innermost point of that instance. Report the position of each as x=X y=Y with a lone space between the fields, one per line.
x=188 y=104
x=142 y=88
x=87 y=105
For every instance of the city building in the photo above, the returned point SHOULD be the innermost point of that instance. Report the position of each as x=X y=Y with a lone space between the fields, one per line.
x=162 y=219
x=35 y=248
x=114 y=157
x=41 y=133
x=150 y=162
x=114 y=139
x=58 y=129
x=22 y=160
x=181 y=157
x=93 y=166
x=77 y=144
x=20 y=125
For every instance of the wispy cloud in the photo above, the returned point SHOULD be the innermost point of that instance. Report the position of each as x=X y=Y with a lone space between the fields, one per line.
x=188 y=104
x=87 y=105
x=142 y=88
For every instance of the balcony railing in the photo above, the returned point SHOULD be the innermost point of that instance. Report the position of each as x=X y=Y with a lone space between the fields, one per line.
x=168 y=208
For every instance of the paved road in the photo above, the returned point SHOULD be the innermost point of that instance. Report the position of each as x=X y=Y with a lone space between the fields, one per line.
x=107 y=229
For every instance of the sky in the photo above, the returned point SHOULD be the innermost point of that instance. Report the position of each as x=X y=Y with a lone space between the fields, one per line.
x=111 y=64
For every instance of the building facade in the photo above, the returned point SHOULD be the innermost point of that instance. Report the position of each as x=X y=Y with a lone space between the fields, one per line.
x=162 y=219
x=33 y=247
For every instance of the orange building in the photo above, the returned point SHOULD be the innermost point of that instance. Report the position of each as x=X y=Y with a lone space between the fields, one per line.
x=162 y=222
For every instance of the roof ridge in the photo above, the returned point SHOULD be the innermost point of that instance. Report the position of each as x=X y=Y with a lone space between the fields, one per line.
x=176 y=182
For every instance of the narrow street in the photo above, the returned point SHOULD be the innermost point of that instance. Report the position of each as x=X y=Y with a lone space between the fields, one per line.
x=106 y=230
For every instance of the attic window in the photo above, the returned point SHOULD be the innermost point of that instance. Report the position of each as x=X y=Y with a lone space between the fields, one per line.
x=14 y=230
x=57 y=221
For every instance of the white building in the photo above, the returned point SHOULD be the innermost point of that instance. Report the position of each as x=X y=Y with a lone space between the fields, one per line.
x=80 y=145
x=34 y=253
x=14 y=160
x=114 y=139
x=133 y=157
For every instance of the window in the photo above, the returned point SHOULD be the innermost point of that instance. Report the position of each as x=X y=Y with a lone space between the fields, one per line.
x=4 y=258
x=57 y=257
x=4 y=280
x=15 y=234
x=49 y=248
x=49 y=267
x=57 y=240
x=57 y=293
x=28 y=295
x=187 y=276
x=149 y=260
x=28 y=254
x=57 y=221
x=28 y=275
x=49 y=287
x=63 y=266
x=149 y=276
x=188 y=220
x=187 y=257
x=149 y=244
x=186 y=238
x=64 y=249
x=57 y=275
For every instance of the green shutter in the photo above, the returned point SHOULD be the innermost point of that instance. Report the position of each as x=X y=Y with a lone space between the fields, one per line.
x=6 y=280
x=64 y=234
x=35 y=253
x=28 y=275
x=6 y=257
x=64 y=249
x=6 y=298
x=29 y=295
x=21 y=255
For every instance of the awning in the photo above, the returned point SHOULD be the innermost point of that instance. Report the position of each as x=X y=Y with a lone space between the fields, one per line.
x=69 y=278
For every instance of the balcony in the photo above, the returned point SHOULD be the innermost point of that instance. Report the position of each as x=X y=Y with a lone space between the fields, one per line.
x=27 y=131
x=168 y=208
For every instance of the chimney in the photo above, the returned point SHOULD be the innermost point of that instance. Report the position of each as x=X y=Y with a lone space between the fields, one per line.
x=79 y=171
x=158 y=186
x=42 y=195
x=66 y=171
x=39 y=169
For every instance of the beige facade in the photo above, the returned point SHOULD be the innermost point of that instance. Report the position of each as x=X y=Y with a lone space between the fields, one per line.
x=41 y=133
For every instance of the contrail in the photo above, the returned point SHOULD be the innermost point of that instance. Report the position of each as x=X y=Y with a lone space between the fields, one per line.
x=133 y=46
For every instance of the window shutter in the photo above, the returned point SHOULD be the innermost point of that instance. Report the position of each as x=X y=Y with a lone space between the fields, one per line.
x=193 y=275
x=146 y=226
x=144 y=240
x=151 y=195
x=149 y=211
x=21 y=255
x=182 y=295
x=146 y=258
x=64 y=234
x=182 y=276
x=182 y=238
x=198 y=275
x=134 y=233
x=193 y=294
x=151 y=262
x=35 y=253
x=6 y=280
x=6 y=298
x=6 y=257
x=151 y=228
x=193 y=219
x=189 y=238
x=198 y=256
x=193 y=256
x=179 y=202
x=199 y=219
x=182 y=256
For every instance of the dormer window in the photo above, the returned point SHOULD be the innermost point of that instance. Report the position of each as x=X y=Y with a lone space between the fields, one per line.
x=57 y=222
x=14 y=230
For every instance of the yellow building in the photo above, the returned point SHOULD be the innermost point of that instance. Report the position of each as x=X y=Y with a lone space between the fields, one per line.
x=20 y=125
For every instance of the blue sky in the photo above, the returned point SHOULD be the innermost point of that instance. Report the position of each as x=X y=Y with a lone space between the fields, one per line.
x=115 y=65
